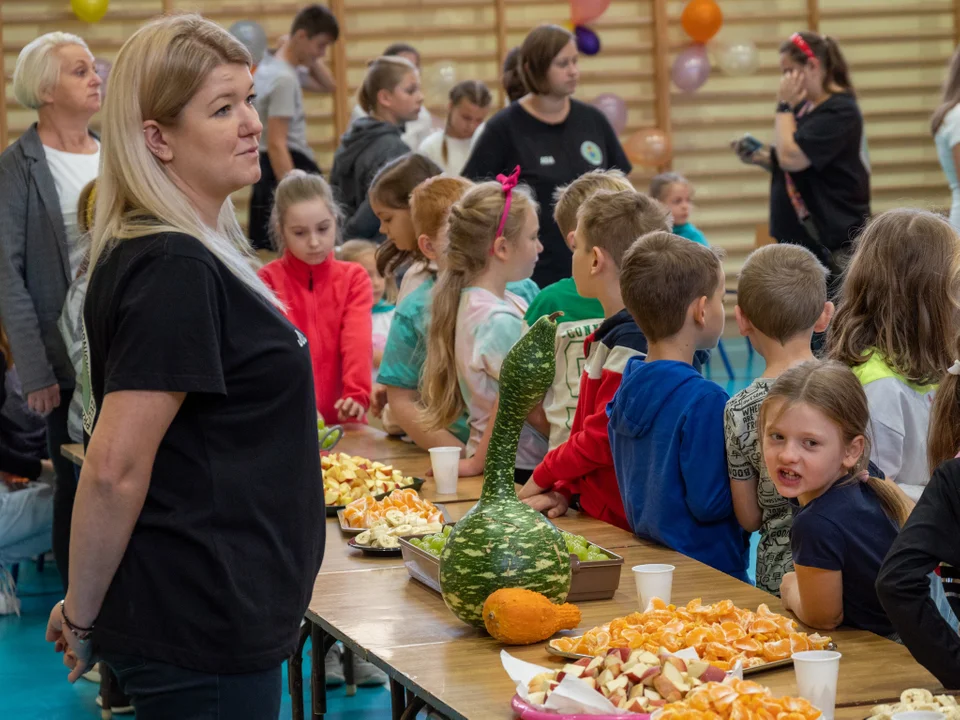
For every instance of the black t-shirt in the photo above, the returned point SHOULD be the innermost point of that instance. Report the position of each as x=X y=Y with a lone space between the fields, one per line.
x=836 y=186
x=846 y=530
x=224 y=554
x=549 y=156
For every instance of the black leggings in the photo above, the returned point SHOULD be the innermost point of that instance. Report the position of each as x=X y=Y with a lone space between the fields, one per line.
x=66 y=488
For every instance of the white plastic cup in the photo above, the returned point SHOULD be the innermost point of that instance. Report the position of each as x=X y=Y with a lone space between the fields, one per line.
x=446 y=469
x=817 y=672
x=653 y=581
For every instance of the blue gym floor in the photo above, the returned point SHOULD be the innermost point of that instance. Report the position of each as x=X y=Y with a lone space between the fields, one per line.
x=34 y=679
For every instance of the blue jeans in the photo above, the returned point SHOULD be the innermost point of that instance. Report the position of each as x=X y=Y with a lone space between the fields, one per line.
x=159 y=691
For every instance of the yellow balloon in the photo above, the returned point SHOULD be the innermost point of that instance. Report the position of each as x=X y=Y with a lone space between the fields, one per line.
x=89 y=10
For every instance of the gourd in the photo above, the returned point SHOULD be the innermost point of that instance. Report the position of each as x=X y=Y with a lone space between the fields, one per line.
x=515 y=616
x=501 y=542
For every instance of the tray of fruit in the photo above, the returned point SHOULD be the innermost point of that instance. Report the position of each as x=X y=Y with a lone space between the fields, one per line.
x=402 y=510
x=721 y=633
x=635 y=680
x=382 y=541
x=918 y=699
x=525 y=711
x=736 y=699
x=596 y=571
x=347 y=478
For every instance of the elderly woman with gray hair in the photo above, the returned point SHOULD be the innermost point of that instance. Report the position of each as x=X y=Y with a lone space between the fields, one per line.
x=41 y=176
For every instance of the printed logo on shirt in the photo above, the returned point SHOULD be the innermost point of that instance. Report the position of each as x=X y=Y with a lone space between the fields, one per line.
x=547 y=160
x=591 y=153
x=301 y=338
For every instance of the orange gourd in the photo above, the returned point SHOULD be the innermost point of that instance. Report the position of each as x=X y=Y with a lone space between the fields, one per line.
x=515 y=616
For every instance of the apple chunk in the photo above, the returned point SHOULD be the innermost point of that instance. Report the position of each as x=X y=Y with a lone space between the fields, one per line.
x=675 y=676
x=668 y=691
x=537 y=698
x=575 y=670
x=637 y=672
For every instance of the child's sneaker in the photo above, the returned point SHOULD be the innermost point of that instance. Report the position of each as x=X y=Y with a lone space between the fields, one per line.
x=333 y=666
x=366 y=674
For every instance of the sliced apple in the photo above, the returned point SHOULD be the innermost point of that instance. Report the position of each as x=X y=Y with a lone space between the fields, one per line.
x=696 y=668
x=618 y=698
x=650 y=676
x=540 y=682
x=713 y=674
x=624 y=653
x=657 y=703
x=574 y=669
x=618 y=683
x=668 y=691
x=651 y=694
x=637 y=672
x=537 y=698
x=610 y=660
x=560 y=676
x=677 y=663
x=585 y=662
x=592 y=682
x=595 y=664
x=675 y=677
x=636 y=692
x=628 y=665
x=648 y=658
x=605 y=677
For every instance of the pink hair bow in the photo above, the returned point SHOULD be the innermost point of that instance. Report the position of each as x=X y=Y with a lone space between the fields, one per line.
x=508 y=183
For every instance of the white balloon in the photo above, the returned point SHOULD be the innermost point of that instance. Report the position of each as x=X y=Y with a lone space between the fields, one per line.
x=738 y=58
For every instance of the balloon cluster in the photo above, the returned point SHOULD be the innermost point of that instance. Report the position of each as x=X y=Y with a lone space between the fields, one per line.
x=701 y=20
x=583 y=12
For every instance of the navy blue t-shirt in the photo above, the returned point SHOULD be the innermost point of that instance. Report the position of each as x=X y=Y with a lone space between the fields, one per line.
x=846 y=529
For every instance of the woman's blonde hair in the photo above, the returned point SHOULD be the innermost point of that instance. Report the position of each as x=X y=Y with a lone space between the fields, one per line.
x=38 y=67
x=831 y=388
x=384 y=73
x=298 y=186
x=951 y=93
x=899 y=296
x=473 y=230
x=943 y=436
x=157 y=72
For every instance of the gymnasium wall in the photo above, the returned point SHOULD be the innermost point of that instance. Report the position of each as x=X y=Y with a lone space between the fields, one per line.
x=897 y=49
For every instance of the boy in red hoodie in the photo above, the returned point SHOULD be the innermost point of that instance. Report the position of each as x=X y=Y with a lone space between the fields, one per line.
x=608 y=222
x=329 y=301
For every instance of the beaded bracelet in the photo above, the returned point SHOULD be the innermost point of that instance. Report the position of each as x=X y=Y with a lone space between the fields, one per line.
x=81 y=633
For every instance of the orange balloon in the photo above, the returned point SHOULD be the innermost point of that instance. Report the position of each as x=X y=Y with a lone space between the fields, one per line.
x=701 y=19
x=649 y=147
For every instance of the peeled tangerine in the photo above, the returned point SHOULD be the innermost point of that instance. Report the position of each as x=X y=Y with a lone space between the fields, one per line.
x=515 y=616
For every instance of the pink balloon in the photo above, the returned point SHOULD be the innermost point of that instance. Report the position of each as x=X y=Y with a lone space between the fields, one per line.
x=691 y=68
x=614 y=108
x=583 y=12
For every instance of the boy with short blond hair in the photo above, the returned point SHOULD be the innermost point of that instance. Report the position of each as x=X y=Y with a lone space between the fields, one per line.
x=608 y=223
x=666 y=421
x=581 y=315
x=781 y=303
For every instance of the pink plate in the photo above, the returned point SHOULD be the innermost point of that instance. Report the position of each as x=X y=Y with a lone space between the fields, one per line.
x=528 y=712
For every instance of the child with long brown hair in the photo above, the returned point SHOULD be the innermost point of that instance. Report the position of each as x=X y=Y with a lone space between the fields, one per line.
x=450 y=148
x=895 y=327
x=476 y=320
x=815 y=446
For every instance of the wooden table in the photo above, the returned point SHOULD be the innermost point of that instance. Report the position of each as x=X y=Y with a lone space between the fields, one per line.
x=404 y=628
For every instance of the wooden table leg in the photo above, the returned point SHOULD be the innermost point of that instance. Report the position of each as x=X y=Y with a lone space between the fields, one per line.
x=348 y=671
x=397 y=700
x=413 y=709
x=295 y=673
x=320 y=645
x=106 y=692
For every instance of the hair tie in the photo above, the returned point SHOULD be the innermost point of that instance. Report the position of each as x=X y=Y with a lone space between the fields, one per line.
x=955 y=368
x=801 y=45
x=507 y=183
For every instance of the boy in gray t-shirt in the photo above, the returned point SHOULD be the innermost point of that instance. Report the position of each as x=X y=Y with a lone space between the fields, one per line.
x=781 y=302
x=283 y=142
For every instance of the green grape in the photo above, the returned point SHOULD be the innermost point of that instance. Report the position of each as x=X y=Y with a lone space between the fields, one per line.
x=447 y=530
x=582 y=554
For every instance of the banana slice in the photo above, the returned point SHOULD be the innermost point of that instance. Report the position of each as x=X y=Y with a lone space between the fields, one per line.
x=914 y=696
x=364 y=538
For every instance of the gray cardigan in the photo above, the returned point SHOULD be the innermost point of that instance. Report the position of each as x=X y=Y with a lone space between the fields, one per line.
x=34 y=265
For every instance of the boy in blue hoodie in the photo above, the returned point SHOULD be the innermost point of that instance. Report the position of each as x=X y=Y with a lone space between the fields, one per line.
x=666 y=420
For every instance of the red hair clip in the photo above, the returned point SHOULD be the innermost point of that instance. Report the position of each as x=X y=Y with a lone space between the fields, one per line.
x=802 y=46
x=508 y=183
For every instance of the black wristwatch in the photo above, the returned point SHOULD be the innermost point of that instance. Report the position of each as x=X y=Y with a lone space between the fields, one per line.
x=784 y=107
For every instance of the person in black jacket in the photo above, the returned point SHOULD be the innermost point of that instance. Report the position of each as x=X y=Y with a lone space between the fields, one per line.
x=552 y=137
x=903 y=585
x=391 y=96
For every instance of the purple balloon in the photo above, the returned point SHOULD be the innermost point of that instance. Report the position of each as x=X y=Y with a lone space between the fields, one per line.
x=587 y=41
x=614 y=108
x=691 y=68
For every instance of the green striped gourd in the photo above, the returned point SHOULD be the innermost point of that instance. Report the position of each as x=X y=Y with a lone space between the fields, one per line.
x=502 y=542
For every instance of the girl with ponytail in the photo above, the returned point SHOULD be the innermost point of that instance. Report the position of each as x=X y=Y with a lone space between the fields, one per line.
x=468 y=108
x=493 y=240
x=820 y=190
x=815 y=446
